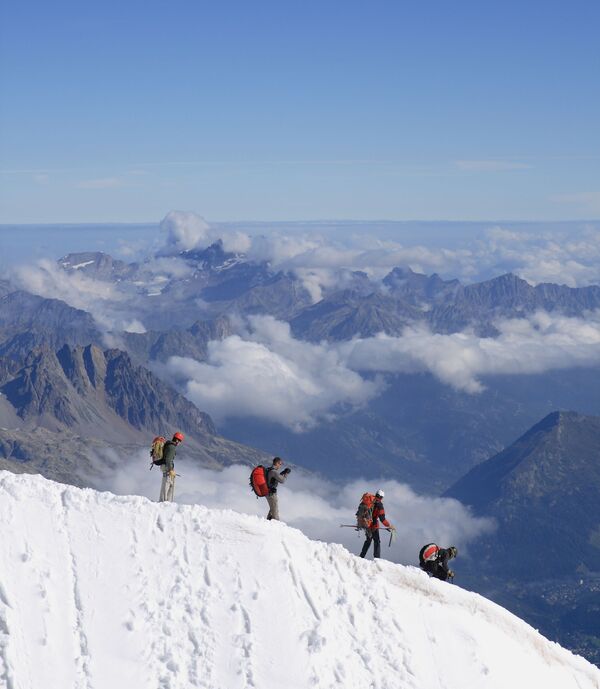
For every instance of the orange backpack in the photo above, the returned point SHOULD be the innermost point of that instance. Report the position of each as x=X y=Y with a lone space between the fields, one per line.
x=258 y=481
x=364 y=513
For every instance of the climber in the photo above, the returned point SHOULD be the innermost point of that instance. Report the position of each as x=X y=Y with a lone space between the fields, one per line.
x=372 y=531
x=434 y=561
x=274 y=477
x=167 y=488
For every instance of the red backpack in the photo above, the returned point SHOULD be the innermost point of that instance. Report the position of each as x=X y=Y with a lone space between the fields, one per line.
x=429 y=552
x=258 y=481
x=364 y=513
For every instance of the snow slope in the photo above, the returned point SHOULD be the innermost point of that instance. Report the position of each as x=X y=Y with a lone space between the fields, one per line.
x=106 y=592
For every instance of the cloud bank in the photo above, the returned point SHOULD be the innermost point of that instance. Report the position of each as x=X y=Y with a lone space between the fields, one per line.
x=103 y=300
x=265 y=373
x=186 y=230
x=270 y=375
x=525 y=346
x=566 y=256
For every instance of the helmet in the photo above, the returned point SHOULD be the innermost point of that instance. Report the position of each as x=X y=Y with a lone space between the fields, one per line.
x=380 y=493
x=178 y=436
x=453 y=551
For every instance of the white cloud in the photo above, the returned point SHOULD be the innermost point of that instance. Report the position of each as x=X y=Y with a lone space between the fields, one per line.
x=567 y=256
x=525 y=346
x=75 y=288
x=185 y=230
x=564 y=257
x=315 y=505
x=265 y=373
x=109 y=304
x=134 y=326
x=169 y=267
x=279 y=248
x=268 y=374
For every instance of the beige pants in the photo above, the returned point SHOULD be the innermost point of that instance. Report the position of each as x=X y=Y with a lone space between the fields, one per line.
x=273 y=506
x=167 y=488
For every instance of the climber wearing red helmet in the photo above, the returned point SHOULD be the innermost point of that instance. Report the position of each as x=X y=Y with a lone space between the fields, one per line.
x=167 y=488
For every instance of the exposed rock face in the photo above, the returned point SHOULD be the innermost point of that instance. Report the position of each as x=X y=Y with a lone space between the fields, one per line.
x=20 y=311
x=102 y=393
x=191 y=342
x=144 y=401
x=28 y=322
x=544 y=492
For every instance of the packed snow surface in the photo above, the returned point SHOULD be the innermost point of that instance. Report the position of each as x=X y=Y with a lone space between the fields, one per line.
x=106 y=592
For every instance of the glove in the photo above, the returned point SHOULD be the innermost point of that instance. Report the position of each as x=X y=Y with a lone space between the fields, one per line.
x=172 y=473
x=450 y=574
x=286 y=471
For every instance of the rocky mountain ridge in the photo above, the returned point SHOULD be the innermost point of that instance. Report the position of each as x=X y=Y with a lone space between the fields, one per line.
x=101 y=393
x=548 y=479
x=543 y=560
x=357 y=306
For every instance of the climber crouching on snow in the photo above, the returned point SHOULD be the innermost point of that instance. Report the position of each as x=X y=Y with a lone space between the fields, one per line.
x=372 y=531
x=274 y=478
x=434 y=561
x=167 y=488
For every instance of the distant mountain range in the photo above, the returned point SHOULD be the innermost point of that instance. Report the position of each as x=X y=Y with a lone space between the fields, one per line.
x=227 y=283
x=419 y=430
x=444 y=306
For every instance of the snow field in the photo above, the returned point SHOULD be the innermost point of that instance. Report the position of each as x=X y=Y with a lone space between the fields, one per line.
x=106 y=592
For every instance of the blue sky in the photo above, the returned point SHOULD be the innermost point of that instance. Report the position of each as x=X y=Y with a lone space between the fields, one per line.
x=287 y=110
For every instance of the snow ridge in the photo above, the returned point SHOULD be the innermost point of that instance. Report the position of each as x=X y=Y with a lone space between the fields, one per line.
x=99 y=591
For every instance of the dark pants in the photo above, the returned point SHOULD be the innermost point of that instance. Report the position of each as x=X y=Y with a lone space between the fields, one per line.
x=436 y=570
x=372 y=535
